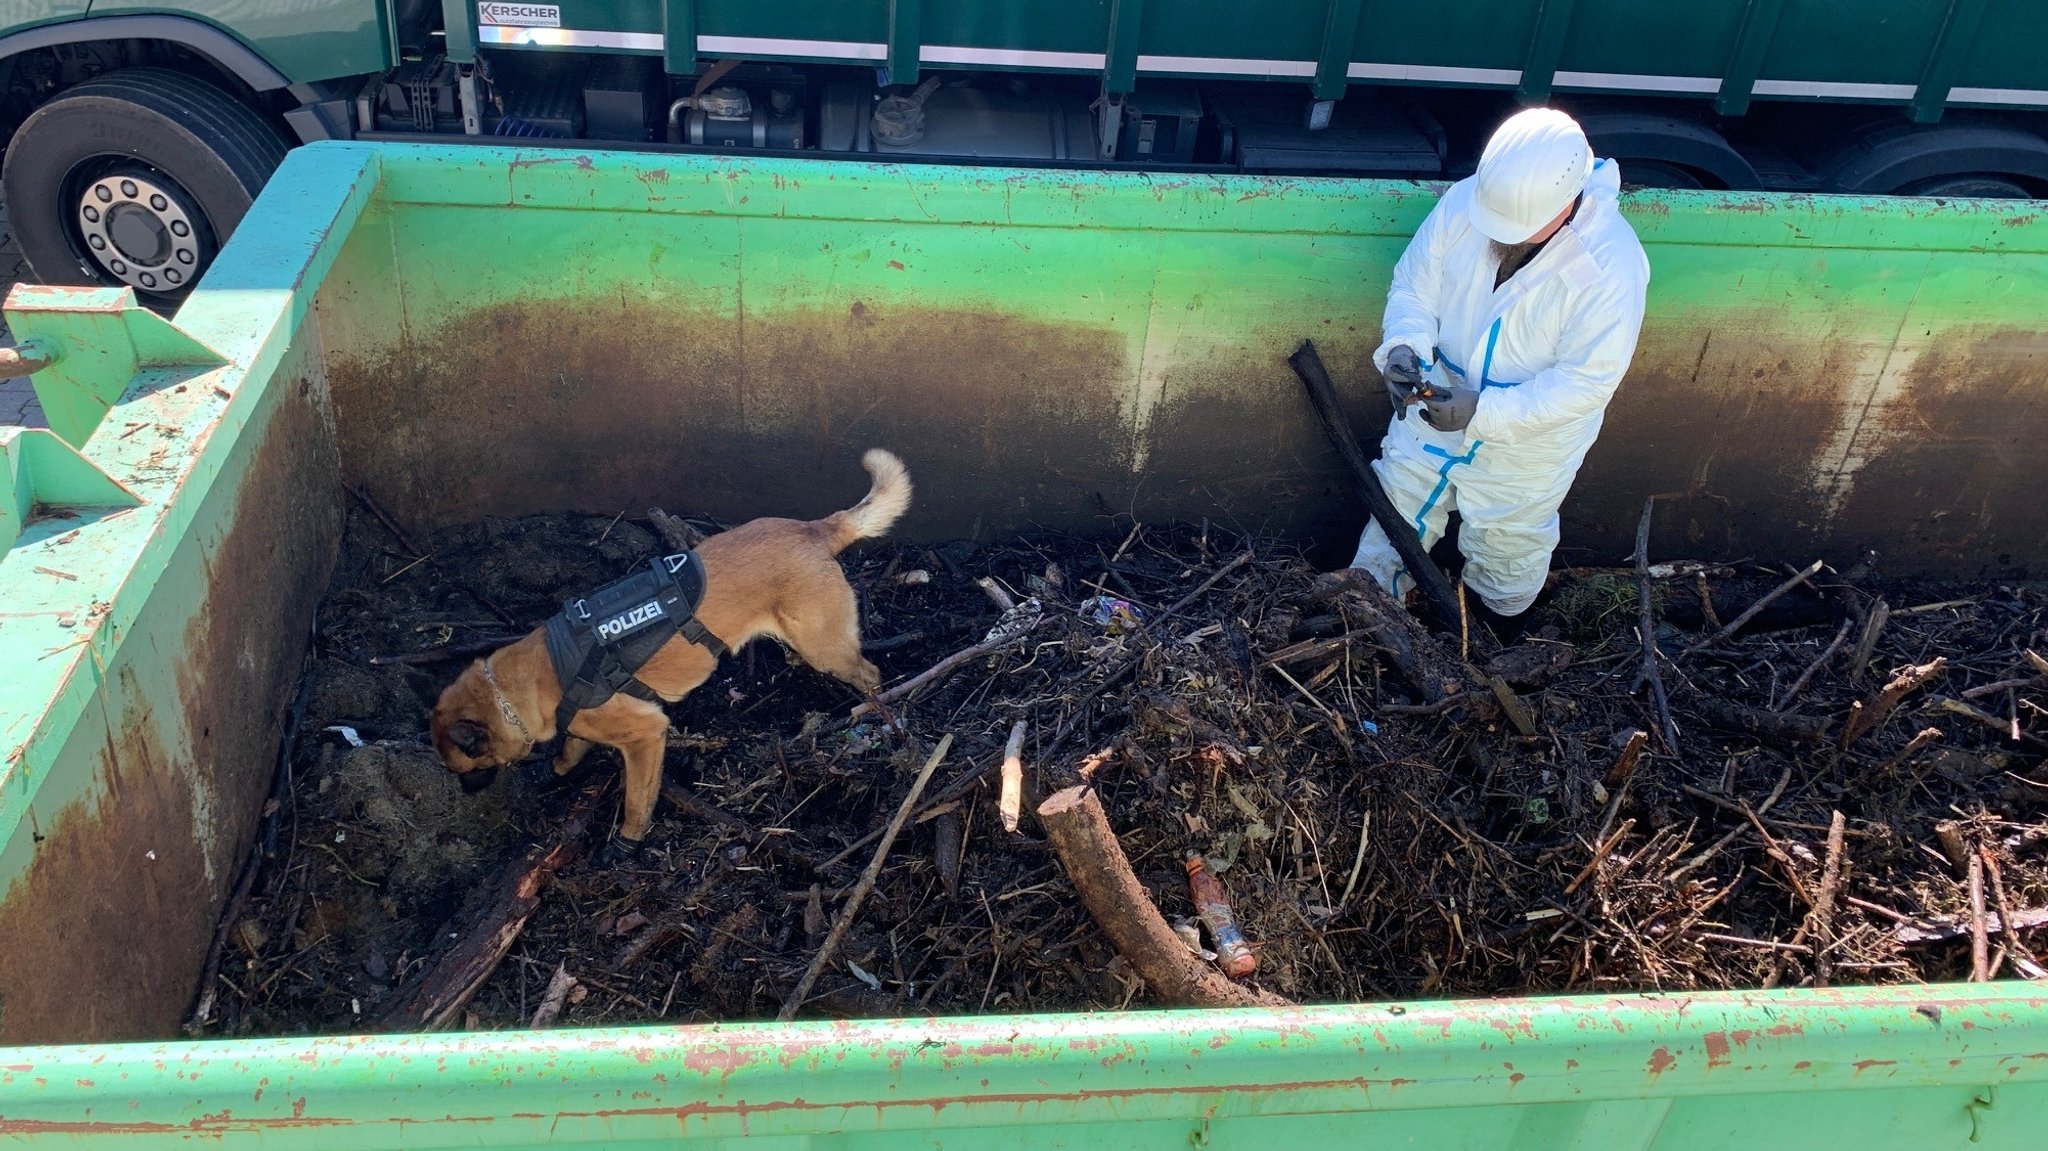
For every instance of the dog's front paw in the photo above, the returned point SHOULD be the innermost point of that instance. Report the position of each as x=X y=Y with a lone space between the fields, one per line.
x=618 y=851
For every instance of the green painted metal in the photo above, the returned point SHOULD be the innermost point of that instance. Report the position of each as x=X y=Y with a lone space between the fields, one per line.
x=679 y=36
x=1120 y=73
x=1896 y=1069
x=458 y=24
x=304 y=40
x=765 y=320
x=39 y=470
x=107 y=341
x=1333 y=58
x=128 y=782
x=1945 y=59
x=1539 y=68
x=1738 y=80
x=906 y=30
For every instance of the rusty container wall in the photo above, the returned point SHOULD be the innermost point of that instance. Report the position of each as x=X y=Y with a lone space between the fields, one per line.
x=472 y=331
x=1821 y=375
x=175 y=528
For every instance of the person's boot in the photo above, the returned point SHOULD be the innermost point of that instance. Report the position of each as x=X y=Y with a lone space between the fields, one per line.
x=1508 y=629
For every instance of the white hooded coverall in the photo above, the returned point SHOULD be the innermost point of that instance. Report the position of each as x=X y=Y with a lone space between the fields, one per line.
x=1546 y=350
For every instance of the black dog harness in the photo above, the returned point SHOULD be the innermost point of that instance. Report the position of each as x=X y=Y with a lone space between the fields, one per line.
x=598 y=642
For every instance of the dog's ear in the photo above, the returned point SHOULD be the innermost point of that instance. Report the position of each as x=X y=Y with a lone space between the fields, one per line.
x=469 y=735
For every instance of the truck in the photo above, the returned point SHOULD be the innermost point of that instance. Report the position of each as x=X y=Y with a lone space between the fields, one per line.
x=497 y=329
x=139 y=132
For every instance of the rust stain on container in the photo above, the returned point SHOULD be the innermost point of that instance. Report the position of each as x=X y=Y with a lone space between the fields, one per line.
x=1001 y=420
x=177 y=797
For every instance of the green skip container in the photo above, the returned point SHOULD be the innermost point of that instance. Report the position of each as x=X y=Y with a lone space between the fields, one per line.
x=483 y=331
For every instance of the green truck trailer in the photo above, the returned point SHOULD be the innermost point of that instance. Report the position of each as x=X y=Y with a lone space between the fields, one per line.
x=727 y=333
x=139 y=131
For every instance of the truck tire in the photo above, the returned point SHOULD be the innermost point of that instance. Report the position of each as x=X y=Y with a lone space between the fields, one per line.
x=135 y=177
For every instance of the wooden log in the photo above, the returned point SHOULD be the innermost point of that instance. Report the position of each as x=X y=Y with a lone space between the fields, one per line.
x=1322 y=394
x=1093 y=858
x=1435 y=673
x=438 y=998
x=1769 y=726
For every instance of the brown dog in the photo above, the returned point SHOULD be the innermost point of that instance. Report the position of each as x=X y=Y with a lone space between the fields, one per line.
x=772 y=577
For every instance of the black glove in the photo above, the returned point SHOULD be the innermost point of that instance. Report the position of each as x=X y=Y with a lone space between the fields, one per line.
x=1403 y=375
x=1453 y=411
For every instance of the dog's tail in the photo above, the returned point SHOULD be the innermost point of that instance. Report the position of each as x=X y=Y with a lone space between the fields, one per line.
x=877 y=511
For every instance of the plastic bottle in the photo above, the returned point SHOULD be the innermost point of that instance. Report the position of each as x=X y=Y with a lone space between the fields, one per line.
x=1212 y=903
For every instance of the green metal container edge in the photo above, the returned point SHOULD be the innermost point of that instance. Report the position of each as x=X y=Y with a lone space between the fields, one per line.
x=932 y=1076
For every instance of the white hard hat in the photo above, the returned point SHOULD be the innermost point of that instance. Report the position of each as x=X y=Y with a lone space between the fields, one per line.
x=1534 y=165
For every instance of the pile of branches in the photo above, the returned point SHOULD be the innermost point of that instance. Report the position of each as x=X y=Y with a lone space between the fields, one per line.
x=1659 y=788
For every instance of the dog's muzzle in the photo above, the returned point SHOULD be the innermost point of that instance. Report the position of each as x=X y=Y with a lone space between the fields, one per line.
x=477 y=780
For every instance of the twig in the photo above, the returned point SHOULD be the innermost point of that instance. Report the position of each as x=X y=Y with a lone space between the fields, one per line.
x=1201 y=589
x=1517 y=712
x=1766 y=725
x=1012 y=802
x=1824 y=911
x=943 y=667
x=1813 y=669
x=1926 y=736
x=1646 y=624
x=557 y=994
x=1625 y=763
x=443 y=654
x=1980 y=940
x=1783 y=859
x=1357 y=861
x=1744 y=941
x=362 y=495
x=1601 y=852
x=2002 y=727
x=1923 y=609
x=1866 y=645
x=2005 y=917
x=1002 y=599
x=848 y=909
x=1865 y=715
x=1982 y=690
x=1700 y=860
x=892 y=642
x=1770 y=597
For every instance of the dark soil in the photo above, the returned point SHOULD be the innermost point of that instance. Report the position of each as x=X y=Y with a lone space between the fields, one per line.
x=1371 y=853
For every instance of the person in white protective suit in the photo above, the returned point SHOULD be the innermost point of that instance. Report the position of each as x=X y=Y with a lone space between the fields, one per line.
x=1518 y=303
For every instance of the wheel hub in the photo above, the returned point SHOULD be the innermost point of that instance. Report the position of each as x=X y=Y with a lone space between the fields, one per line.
x=139 y=231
